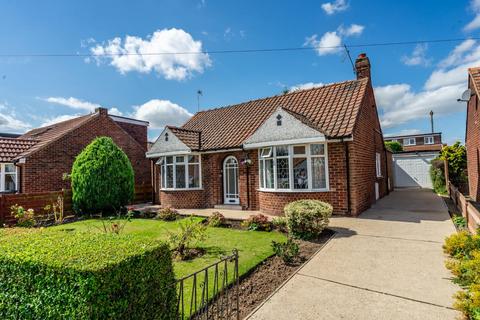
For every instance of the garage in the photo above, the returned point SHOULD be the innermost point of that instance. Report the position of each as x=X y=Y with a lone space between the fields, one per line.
x=412 y=169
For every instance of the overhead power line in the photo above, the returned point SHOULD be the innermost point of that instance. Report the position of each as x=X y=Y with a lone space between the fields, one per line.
x=253 y=50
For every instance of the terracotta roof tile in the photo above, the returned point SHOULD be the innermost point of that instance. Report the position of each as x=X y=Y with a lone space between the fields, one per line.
x=475 y=75
x=190 y=137
x=332 y=109
x=10 y=148
x=45 y=135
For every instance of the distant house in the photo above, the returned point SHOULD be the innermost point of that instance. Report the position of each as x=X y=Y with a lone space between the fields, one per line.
x=419 y=142
x=37 y=160
x=472 y=135
x=323 y=143
x=412 y=165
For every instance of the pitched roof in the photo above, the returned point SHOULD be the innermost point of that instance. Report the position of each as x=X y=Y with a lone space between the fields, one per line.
x=10 y=148
x=45 y=135
x=190 y=137
x=475 y=75
x=332 y=109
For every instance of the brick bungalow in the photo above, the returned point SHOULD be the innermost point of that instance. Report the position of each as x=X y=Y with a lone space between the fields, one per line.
x=37 y=160
x=472 y=134
x=323 y=143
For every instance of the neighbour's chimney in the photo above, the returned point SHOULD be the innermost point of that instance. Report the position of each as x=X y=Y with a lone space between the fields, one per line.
x=102 y=111
x=362 y=66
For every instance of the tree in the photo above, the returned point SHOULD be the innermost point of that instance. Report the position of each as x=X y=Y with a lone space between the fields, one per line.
x=456 y=157
x=102 y=178
x=393 y=146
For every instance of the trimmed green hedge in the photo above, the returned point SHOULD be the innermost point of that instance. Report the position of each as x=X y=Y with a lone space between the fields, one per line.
x=57 y=274
x=102 y=178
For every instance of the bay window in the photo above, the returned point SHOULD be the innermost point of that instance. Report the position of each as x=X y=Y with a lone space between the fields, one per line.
x=8 y=177
x=180 y=172
x=294 y=168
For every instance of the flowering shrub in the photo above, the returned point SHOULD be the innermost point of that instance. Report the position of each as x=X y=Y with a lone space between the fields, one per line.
x=25 y=218
x=216 y=220
x=167 y=214
x=306 y=219
x=257 y=222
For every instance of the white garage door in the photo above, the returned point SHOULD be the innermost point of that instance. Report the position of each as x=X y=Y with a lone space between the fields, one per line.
x=412 y=170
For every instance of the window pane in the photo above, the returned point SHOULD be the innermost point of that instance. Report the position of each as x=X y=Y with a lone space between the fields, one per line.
x=317 y=149
x=9 y=167
x=193 y=175
x=300 y=173
x=262 y=174
x=282 y=151
x=169 y=176
x=170 y=159
x=193 y=159
x=162 y=176
x=10 y=182
x=298 y=149
x=266 y=152
x=180 y=159
x=319 y=180
x=283 y=174
x=269 y=173
x=180 y=176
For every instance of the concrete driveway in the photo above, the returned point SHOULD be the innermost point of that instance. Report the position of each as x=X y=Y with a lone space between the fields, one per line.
x=386 y=264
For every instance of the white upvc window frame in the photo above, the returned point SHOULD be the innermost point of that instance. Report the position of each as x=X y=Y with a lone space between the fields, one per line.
x=3 y=175
x=378 y=164
x=428 y=140
x=291 y=156
x=407 y=141
x=186 y=163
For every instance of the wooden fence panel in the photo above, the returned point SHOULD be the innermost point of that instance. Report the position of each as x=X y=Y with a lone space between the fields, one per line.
x=468 y=210
x=38 y=201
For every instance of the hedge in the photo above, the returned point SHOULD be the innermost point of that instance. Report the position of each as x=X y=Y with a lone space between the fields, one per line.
x=102 y=178
x=57 y=274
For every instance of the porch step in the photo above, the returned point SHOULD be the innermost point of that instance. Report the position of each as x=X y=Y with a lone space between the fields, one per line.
x=228 y=207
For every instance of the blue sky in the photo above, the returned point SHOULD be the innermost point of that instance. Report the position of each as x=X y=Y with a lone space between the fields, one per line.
x=409 y=80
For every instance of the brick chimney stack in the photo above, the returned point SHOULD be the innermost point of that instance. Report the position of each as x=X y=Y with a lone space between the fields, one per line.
x=362 y=66
x=102 y=111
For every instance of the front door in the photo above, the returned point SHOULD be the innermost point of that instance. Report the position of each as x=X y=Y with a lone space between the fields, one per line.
x=230 y=181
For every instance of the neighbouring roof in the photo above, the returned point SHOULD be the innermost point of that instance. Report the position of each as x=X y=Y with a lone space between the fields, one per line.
x=45 y=135
x=475 y=75
x=332 y=109
x=9 y=135
x=10 y=148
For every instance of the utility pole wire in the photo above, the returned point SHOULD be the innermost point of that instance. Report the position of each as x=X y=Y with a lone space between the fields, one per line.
x=350 y=58
x=259 y=50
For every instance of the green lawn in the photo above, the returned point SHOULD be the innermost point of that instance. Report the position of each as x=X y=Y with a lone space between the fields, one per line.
x=253 y=246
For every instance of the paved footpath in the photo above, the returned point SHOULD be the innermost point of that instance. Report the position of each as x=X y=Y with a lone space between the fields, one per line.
x=386 y=264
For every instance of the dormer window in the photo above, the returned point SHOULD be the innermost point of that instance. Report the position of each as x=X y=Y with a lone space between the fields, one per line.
x=279 y=120
x=166 y=136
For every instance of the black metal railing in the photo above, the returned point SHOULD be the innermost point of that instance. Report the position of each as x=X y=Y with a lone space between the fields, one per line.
x=210 y=293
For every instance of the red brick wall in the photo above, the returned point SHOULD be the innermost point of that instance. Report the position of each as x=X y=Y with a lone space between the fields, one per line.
x=44 y=169
x=138 y=132
x=367 y=141
x=472 y=142
x=191 y=199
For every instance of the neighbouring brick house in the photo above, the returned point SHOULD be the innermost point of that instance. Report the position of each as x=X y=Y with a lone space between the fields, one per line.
x=323 y=143
x=37 y=160
x=472 y=134
x=419 y=142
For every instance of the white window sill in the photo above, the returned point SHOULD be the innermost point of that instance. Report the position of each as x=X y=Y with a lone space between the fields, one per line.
x=294 y=191
x=190 y=189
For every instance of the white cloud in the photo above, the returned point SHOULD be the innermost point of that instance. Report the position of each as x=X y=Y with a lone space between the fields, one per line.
x=334 y=7
x=404 y=132
x=137 y=54
x=307 y=85
x=161 y=113
x=63 y=117
x=418 y=56
x=475 y=23
x=74 y=103
x=331 y=41
x=353 y=30
x=114 y=111
x=400 y=103
x=9 y=121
